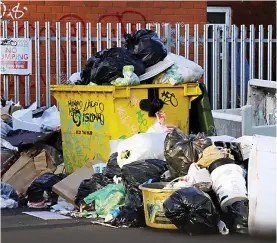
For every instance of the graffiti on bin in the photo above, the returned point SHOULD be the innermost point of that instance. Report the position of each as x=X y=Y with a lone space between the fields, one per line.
x=78 y=110
x=169 y=98
x=133 y=101
x=126 y=120
x=141 y=121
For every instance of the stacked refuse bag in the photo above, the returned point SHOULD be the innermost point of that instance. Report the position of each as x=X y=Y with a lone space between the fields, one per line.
x=136 y=63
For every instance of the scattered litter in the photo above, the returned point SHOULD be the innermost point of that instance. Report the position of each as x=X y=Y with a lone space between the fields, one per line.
x=47 y=215
x=110 y=197
x=103 y=224
x=99 y=168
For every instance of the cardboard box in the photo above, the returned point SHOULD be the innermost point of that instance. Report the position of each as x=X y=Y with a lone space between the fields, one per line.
x=26 y=169
x=68 y=187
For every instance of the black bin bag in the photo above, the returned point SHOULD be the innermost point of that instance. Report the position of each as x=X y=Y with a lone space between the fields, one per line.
x=182 y=150
x=133 y=175
x=136 y=173
x=42 y=184
x=147 y=46
x=192 y=211
x=132 y=213
x=107 y=65
x=93 y=184
x=112 y=169
x=237 y=216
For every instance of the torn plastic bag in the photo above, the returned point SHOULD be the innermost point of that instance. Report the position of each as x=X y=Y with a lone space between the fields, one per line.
x=88 y=186
x=147 y=46
x=159 y=126
x=110 y=197
x=108 y=65
x=182 y=150
x=112 y=169
x=192 y=211
x=50 y=119
x=140 y=147
x=42 y=184
x=237 y=217
x=139 y=172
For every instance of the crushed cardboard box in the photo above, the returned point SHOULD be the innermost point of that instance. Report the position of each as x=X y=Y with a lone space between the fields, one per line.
x=68 y=187
x=26 y=169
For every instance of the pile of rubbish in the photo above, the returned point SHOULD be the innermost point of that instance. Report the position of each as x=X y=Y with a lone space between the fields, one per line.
x=206 y=178
x=142 y=60
x=163 y=178
x=31 y=152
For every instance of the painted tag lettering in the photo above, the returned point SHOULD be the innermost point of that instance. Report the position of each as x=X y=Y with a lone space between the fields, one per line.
x=169 y=98
x=86 y=112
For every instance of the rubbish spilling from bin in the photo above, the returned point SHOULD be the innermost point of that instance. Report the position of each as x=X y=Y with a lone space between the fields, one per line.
x=128 y=156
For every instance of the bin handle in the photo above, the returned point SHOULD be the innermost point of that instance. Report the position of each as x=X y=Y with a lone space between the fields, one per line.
x=121 y=93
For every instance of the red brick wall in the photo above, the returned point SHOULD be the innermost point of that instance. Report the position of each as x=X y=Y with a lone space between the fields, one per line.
x=95 y=11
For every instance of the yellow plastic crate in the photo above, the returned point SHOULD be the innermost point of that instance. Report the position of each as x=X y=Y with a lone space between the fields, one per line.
x=91 y=116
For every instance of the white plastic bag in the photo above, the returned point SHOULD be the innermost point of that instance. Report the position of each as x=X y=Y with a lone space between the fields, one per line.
x=140 y=147
x=201 y=177
x=114 y=145
x=196 y=176
x=183 y=71
x=180 y=182
x=50 y=119
x=159 y=126
x=74 y=78
x=8 y=203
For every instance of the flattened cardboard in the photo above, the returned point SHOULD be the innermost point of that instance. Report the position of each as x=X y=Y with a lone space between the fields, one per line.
x=22 y=173
x=68 y=187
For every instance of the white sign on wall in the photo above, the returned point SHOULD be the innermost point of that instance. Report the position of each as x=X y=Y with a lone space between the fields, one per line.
x=16 y=56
